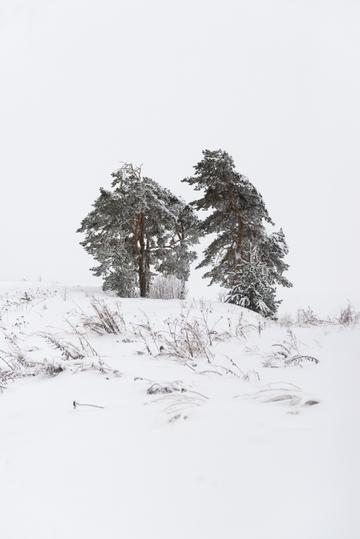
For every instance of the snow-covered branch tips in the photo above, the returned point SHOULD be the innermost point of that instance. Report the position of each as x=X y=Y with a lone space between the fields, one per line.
x=137 y=230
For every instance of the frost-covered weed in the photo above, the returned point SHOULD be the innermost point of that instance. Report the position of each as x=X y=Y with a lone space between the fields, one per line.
x=184 y=337
x=69 y=350
x=104 y=320
x=349 y=316
x=288 y=354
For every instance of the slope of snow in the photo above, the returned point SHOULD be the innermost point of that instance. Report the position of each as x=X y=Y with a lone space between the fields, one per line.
x=235 y=450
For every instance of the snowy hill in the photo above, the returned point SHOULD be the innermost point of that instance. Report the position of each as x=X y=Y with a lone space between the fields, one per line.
x=151 y=418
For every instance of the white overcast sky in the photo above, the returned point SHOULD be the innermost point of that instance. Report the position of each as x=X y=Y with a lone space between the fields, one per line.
x=88 y=84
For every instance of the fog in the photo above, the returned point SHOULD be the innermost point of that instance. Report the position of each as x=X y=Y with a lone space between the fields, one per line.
x=86 y=85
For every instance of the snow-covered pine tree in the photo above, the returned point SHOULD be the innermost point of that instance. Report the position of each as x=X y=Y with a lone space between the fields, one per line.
x=133 y=229
x=243 y=257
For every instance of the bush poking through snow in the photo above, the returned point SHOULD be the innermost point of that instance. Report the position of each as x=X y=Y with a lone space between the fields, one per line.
x=186 y=337
x=158 y=389
x=167 y=288
x=14 y=357
x=287 y=354
x=15 y=363
x=104 y=320
x=67 y=349
x=282 y=393
x=177 y=399
x=348 y=316
x=52 y=369
x=308 y=317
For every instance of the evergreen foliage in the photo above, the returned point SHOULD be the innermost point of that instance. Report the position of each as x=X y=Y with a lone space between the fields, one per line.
x=137 y=228
x=243 y=257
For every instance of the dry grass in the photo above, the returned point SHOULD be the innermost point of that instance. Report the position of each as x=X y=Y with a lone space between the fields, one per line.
x=104 y=320
x=184 y=337
x=287 y=354
x=349 y=316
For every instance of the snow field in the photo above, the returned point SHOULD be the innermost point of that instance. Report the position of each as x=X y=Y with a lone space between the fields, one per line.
x=232 y=450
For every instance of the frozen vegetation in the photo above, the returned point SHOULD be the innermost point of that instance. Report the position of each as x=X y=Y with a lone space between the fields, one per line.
x=140 y=418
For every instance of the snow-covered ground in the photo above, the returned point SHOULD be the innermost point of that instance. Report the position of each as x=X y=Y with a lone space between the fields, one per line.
x=243 y=440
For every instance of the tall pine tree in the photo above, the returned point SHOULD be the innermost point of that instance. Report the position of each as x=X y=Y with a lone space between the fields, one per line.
x=243 y=257
x=137 y=228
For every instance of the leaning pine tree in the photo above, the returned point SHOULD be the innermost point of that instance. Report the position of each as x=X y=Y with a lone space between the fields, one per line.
x=136 y=229
x=243 y=257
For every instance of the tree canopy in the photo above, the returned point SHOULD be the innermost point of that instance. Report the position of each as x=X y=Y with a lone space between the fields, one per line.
x=243 y=257
x=136 y=229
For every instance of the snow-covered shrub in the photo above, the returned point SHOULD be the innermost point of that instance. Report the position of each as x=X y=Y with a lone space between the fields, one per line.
x=235 y=370
x=13 y=357
x=307 y=317
x=104 y=320
x=159 y=389
x=177 y=399
x=167 y=288
x=67 y=349
x=348 y=316
x=14 y=363
x=81 y=356
x=288 y=354
x=187 y=339
x=183 y=337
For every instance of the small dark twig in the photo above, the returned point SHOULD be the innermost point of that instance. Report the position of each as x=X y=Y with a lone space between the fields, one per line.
x=76 y=404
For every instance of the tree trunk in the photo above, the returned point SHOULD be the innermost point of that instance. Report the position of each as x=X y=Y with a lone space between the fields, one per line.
x=147 y=267
x=182 y=288
x=142 y=259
